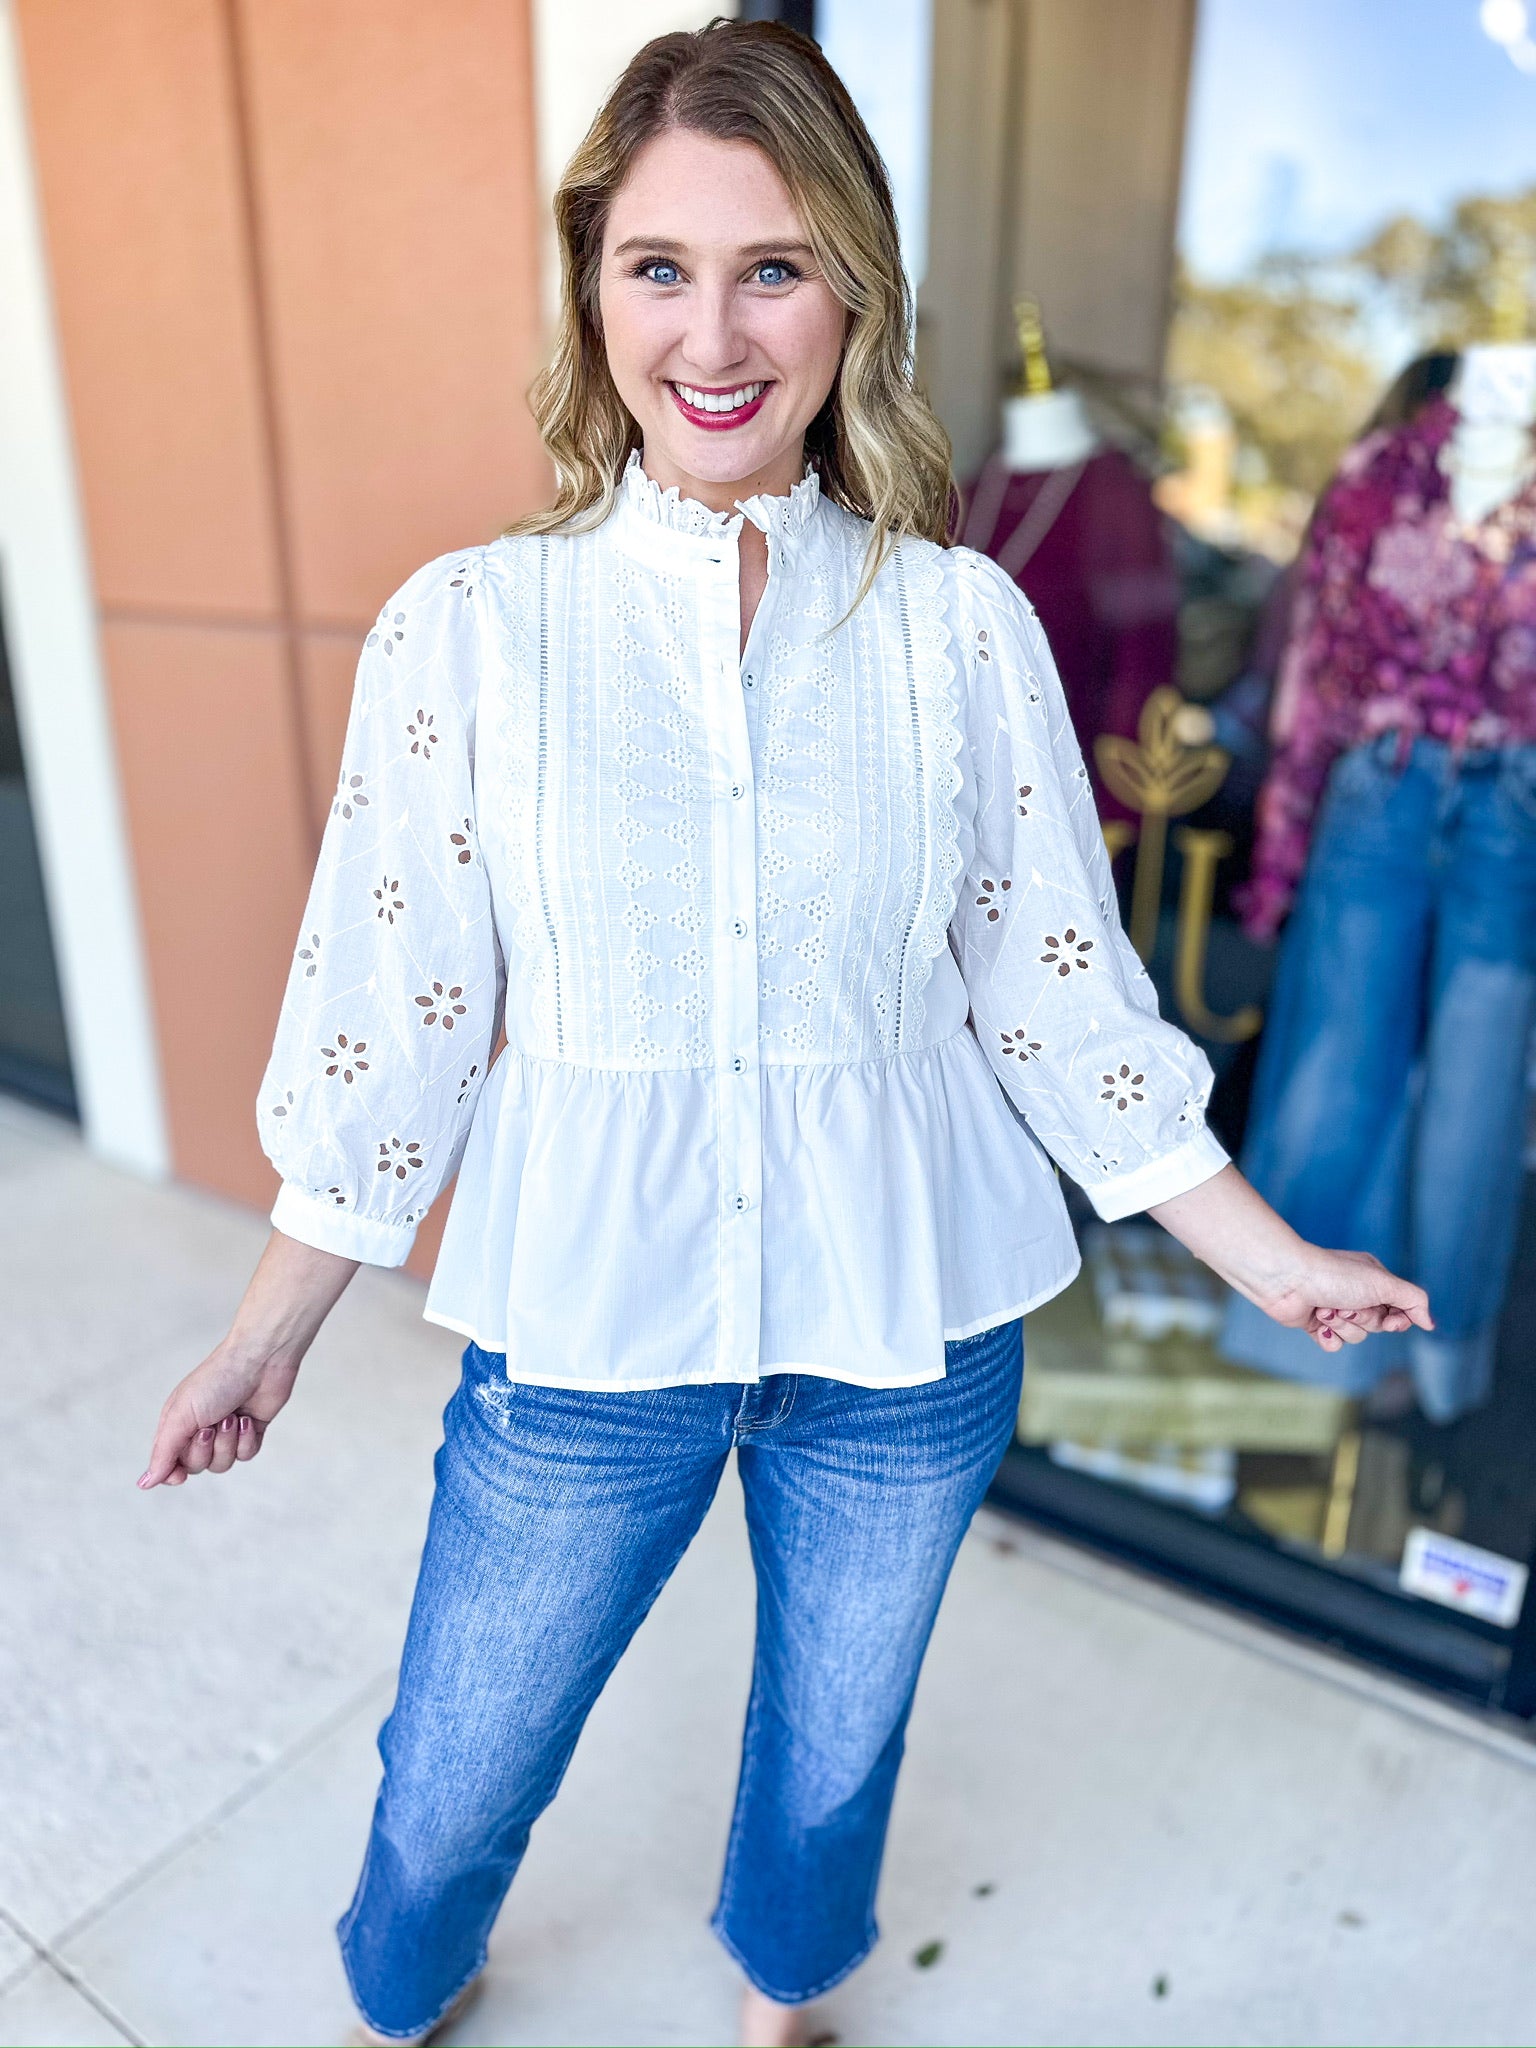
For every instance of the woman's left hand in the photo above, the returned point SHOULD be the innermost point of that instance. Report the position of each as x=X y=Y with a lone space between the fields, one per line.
x=1344 y=1297
x=1338 y=1298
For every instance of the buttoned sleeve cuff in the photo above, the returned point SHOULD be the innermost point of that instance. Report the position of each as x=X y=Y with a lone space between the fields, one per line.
x=329 y=1229
x=1128 y=1194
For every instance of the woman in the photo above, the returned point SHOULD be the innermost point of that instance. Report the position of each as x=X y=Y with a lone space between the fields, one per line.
x=754 y=812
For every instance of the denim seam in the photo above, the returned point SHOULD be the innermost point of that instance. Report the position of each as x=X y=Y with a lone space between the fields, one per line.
x=744 y=1432
x=738 y=1418
x=788 y=1402
x=748 y=1771
x=749 y=1764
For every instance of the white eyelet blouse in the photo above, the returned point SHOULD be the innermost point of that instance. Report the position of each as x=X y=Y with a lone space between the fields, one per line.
x=806 y=958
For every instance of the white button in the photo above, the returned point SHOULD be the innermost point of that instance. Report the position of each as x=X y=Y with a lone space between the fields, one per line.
x=738 y=1065
x=737 y=790
x=739 y=929
x=742 y=1202
x=750 y=682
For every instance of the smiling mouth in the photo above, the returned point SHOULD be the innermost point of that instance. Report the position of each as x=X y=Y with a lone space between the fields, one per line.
x=731 y=405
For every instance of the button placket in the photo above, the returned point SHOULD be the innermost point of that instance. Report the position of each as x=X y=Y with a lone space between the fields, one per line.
x=737 y=1082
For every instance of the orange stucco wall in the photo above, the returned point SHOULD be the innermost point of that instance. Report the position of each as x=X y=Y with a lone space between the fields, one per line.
x=294 y=257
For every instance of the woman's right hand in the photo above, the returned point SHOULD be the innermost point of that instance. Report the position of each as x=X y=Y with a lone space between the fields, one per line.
x=218 y=1415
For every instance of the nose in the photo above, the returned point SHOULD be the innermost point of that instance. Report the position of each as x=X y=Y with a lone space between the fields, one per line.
x=715 y=342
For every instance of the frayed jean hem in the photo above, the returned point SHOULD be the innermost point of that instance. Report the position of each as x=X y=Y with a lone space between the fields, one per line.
x=776 y=1992
x=409 y=2033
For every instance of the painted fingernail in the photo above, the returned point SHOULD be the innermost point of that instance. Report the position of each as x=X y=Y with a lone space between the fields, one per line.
x=142 y=1480
x=205 y=1436
x=246 y=1425
x=227 y=1423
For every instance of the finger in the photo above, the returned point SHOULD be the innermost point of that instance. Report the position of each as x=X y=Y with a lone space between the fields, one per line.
x=1413 y=1301
x=1365 y=1320
x=225 y=1435
x=173 y=1438
x=199 y=1452
x=177 y=1476
x=248 y=1438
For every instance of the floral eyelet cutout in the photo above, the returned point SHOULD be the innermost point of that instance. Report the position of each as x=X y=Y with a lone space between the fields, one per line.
x=1026 y=790
x=463 y=843
x=1017 y=1043
x=468 y=1083
x=398 y=1158
x=423 y=738
x=281 y=1108
x=983 y=652
x=987 y=900
x=345 y=1057
x=387 y=632
x=1122 y=1088
x=1066 y=952
x=350 y=796
x=310 y=955
x=442 y=1006
x=389 y=899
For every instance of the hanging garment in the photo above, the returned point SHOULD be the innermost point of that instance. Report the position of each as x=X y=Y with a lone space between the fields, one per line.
x=809 y=958
x=1089 y=547
x=1406 y=619
x=1388 y=1105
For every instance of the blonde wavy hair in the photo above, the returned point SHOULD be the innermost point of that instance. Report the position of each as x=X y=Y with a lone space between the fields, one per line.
x=875 y=445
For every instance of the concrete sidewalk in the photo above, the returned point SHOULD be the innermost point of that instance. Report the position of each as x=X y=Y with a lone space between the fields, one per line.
x=1126 y=1817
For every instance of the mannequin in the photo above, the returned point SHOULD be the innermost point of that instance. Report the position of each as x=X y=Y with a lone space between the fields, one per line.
x=1400 y=814
x=1490 y=454
x=1072 y=521
x=1043 y=428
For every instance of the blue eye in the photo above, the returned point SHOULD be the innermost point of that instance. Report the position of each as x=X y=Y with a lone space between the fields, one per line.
x=786 y=272
x=660 y=264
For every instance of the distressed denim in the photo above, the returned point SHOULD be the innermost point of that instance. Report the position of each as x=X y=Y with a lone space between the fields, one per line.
x=1388 y=1107
x=558 y=1517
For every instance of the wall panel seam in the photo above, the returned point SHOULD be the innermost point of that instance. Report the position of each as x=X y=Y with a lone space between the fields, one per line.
x=271 y=429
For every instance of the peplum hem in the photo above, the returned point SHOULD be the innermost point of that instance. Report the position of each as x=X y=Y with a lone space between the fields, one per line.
x=903 y=1204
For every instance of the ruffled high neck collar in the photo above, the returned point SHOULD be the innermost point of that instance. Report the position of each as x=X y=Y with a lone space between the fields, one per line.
x=776 y=516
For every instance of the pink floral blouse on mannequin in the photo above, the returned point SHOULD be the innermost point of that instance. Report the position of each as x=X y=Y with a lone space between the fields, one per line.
x=1406 y=620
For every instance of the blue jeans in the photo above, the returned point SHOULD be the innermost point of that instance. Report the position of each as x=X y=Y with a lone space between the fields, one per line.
x=557 y=1519
x=1388 y=1107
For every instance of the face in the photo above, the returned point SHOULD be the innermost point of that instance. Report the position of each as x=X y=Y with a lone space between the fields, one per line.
x=723 y=338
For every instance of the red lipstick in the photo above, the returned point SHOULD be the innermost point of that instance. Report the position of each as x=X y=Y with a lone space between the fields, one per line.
x=718 y=422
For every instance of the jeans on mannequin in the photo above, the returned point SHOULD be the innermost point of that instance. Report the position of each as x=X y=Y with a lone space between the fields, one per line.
x=1388 y=1108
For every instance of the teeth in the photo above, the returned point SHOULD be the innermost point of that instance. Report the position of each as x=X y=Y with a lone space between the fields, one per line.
x=720 y=401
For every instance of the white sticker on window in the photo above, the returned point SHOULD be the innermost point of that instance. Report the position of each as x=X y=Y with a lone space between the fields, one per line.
x=1460 y=1575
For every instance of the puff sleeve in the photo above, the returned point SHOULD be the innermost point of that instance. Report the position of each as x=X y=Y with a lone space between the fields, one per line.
x=1060 y=1001
x=394 y=997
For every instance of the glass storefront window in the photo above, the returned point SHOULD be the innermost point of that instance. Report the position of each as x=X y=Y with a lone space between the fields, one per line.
x=1358 y=210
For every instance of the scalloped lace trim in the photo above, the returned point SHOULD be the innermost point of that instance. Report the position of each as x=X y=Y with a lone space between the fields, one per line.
x=944 y=735
x=686 y=515
x=514 y=819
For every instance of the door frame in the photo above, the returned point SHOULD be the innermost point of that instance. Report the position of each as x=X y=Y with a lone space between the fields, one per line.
x=49 y=609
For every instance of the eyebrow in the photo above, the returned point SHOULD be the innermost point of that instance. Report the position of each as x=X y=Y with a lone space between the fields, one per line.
x=660 y=245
